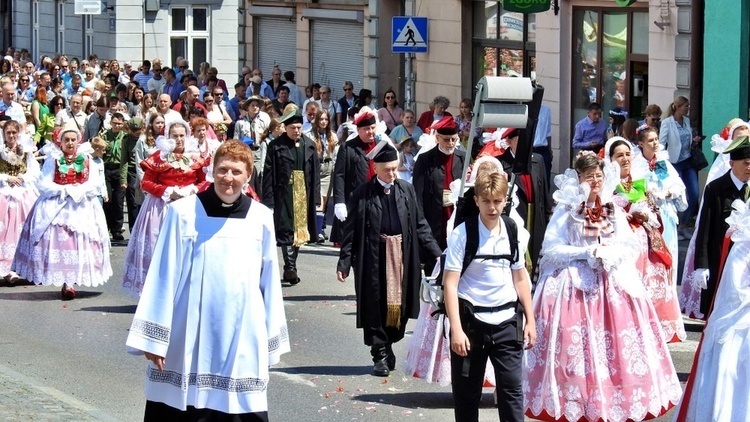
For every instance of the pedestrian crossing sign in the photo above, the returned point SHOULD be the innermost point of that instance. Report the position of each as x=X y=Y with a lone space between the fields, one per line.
x=409 y=34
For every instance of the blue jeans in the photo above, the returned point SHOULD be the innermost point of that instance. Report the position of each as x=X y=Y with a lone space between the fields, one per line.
x=689 y=177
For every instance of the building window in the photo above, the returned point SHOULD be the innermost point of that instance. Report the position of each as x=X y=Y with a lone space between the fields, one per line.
x=610 y=59
x=88 y=35
x=504 y=43
x=188 y=34
x=60 y=35
x=35 y=29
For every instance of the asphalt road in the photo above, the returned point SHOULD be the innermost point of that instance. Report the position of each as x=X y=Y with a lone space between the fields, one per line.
x=61 y=360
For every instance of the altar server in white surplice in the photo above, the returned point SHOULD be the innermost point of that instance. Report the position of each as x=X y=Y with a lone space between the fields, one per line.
x=211 y=316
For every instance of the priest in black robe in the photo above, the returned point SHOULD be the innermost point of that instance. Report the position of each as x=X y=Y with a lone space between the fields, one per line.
x=352 y=167
x=291 y=186
x=534 y=199
x=383 y=235
x=717 y=206
x=434 y=171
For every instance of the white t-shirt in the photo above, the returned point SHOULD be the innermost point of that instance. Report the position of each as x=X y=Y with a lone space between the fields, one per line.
x=486 y=282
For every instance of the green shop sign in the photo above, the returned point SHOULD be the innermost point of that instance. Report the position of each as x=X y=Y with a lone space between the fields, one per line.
x=526 y=6
x=624 y=3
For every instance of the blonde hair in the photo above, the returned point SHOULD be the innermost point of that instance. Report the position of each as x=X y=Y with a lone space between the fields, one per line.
x=98 y=142
x=491 y=185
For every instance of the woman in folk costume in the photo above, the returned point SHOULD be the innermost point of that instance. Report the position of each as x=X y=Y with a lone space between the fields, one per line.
x=65 y=239
x=719 y=384
x=19 y=172
x=291 y=187
x=600 y=352
x=655 y=259
x=174 y=171
x=690 y=294
x=428 y=356
x=211 y=330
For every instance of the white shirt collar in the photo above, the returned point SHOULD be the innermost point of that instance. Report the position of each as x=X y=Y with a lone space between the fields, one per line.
x=737 y=182
x=383 y=184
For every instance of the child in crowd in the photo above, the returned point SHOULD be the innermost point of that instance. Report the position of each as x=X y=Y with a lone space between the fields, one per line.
x=97 y=167
x=481 y=305
x=406 y=159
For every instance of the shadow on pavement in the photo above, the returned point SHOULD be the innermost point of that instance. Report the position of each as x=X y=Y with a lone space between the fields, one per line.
x=327 y=370
x=319 y=251
x=124 y=309
x=416 y=400
x=694 y=327
x=320 y=298
x=46 y=296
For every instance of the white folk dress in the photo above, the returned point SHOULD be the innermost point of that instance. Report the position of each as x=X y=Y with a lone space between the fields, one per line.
x=219 y=323
x=720 y=386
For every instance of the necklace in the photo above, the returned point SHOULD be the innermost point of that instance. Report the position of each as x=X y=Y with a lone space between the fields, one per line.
x=387 y=190
x=594 y=213
x=652 y=163
x=627 y=183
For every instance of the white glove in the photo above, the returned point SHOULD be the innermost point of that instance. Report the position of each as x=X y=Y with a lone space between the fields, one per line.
x=340 y=211
x=700 y=276
x=608 y=256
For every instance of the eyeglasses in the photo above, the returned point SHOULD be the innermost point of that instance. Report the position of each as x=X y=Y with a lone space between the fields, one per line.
x=56 y=68
x=57 y=105
x=390 y=97
x=594 y=177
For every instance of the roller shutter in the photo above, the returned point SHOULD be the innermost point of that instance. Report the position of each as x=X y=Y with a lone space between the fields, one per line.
x=336 y=54
x=276 y=40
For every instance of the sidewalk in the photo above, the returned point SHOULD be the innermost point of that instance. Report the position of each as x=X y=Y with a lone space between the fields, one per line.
x=24 y=399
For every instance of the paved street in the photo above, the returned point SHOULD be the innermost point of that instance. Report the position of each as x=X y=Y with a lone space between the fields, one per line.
x=66 y=361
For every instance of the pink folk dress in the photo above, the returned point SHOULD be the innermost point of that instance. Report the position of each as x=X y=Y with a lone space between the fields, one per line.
x=600 y=351
x=655 y=261
x=15 y=201
x=164 y=173
x=65 y=237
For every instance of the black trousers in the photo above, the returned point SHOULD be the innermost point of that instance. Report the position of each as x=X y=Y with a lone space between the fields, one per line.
x=290 y=253
x=499 y=343
x=130 y=192
x=113 y=208
x=160 y=412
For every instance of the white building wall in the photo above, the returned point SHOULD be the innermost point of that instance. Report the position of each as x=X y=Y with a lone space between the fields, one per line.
x=224 y=40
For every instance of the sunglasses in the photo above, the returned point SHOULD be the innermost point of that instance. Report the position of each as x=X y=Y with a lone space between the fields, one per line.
x=348 y=89
x=182 y=67
x=390 y=97
x=24 y=79
x=218 y=93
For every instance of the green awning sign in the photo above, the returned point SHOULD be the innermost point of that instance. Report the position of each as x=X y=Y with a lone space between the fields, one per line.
x=624 y=3
x=526 y=6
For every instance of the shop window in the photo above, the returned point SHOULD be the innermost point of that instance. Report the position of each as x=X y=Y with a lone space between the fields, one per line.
x=503 y=42
x=189 y=33
x=610 y=51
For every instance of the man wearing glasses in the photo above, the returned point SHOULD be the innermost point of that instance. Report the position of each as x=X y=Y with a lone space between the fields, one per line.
x=348 y=100
x=326 y=103
x=157 y=82
x=10 y=108
x=182 y=66
x=275 y=82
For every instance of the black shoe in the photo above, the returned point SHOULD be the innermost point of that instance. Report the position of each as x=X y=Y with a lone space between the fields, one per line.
x=321 y=239
x=291 y=277
x=118 y=237
x=380 y=369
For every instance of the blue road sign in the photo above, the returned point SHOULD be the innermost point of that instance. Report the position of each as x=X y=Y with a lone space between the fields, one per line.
x=409 y=34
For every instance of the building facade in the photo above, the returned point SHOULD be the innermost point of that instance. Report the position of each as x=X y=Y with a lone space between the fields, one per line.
x=201 y=31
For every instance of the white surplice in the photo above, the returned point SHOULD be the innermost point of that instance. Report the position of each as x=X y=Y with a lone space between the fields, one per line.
x=212 y=306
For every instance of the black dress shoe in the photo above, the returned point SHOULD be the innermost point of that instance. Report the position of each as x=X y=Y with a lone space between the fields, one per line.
x=380 y=369
x=291 y=277
x=118 y=237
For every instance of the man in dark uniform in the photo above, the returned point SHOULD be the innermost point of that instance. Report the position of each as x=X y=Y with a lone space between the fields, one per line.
x=534 y=200
x=383 y=235
x=717 y=205
x=353 y=168
x=291 y=182
x=433 y=173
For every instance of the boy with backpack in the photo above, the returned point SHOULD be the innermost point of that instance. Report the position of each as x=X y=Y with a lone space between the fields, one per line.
x=481 y=300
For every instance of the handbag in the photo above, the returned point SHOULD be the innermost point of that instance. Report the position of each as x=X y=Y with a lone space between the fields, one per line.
x=697 y=158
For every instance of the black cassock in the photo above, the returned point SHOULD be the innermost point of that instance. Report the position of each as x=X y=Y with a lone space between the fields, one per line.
x=717 y=206
x=350 y=171
x=361 y=251
x=429 y=181
x=281 y=160
x=542 y=202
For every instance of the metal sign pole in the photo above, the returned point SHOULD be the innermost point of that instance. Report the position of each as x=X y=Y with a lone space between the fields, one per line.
x=470 y=141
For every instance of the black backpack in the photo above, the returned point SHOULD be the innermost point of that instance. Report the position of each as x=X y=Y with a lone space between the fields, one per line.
x=470 y=254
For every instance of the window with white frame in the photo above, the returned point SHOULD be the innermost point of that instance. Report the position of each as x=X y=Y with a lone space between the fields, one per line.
x=60 y=35
x=188 y=33
x=35 y=29
x=88 y=35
